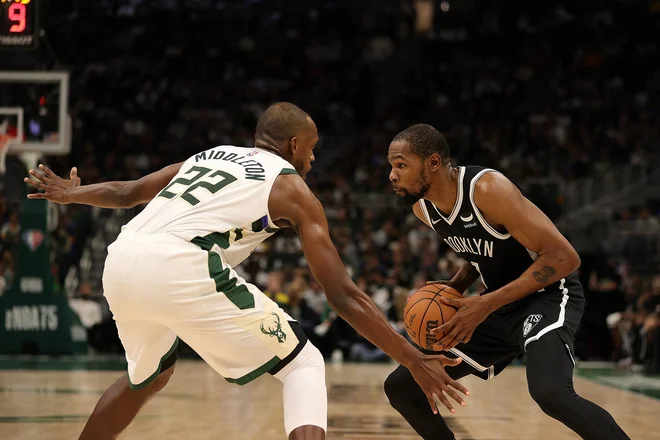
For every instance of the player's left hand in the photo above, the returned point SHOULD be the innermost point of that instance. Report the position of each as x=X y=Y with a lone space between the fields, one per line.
x=54 y=187
x=472 y=311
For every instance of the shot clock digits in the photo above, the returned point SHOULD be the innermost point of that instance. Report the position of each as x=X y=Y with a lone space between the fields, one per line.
x=19 y=27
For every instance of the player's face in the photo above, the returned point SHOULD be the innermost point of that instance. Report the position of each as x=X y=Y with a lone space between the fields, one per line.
x=303 y=150
x=408 y=175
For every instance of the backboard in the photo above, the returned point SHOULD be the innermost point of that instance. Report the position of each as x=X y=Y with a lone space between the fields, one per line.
x=34 y=107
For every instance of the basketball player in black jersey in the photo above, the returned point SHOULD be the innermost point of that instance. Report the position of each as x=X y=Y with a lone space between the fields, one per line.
x=533 y=301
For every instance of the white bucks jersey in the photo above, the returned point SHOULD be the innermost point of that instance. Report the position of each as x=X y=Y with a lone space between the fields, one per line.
x=219 y=197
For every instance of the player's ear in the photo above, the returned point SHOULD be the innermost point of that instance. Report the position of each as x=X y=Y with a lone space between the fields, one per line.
x=293 y=144
x=435 y=161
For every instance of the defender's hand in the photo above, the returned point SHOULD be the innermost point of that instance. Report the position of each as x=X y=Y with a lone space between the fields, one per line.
x=54 y=187
x=429 y=372
x=472 y=311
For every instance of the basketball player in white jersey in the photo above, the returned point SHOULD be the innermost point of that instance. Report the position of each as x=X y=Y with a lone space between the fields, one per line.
x=170 y=275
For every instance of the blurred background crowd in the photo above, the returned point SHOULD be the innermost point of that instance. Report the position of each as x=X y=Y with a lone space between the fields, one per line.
x=563 y=97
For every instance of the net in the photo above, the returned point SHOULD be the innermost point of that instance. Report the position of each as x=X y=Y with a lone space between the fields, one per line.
x=5 y=143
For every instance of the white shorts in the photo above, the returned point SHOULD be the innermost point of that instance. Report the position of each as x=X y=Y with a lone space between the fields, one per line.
x=160 y=287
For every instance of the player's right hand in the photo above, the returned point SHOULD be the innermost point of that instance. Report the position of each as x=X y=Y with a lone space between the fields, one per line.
x=54 y=187
x=429 y=372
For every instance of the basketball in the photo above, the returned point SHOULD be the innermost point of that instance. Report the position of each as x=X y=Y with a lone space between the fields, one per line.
x=424 y=311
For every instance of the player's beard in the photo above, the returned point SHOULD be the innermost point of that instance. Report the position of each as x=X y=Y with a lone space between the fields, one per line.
x=410 y=198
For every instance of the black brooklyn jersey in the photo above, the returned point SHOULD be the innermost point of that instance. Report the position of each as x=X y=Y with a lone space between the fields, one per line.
x=497 y=256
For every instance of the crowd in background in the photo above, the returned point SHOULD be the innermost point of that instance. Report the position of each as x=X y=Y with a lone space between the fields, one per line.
x=10 y=229
x=551 y=92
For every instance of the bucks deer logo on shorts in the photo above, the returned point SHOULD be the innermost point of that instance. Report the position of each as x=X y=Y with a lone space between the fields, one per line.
x=530 y=323
x=272 y=326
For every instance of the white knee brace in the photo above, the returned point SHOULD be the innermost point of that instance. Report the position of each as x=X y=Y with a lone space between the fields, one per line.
x=305 y=396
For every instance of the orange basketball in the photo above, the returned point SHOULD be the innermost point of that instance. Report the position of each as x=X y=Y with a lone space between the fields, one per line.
x=424 y=311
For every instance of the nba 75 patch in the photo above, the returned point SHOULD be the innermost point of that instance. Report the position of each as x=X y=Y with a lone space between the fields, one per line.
x=530 y=323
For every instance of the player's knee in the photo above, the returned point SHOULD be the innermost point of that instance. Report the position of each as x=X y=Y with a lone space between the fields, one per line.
x=310 y=358
x=399 y=389
x=547 y=394
x=314 y=357
x=391 y=387
x=309 y=361
x=305 y=395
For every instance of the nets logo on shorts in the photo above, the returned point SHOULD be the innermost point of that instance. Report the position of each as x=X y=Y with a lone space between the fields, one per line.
x=530 y=323
x=272 y=326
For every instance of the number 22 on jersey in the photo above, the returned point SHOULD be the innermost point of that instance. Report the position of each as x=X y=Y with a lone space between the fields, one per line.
x=201 y=178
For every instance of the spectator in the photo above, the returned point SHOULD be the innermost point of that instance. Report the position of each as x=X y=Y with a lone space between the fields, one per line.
x=11 y=230
x=504 y=87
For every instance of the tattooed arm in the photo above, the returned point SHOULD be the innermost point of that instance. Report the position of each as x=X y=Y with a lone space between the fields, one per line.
x=503 y=205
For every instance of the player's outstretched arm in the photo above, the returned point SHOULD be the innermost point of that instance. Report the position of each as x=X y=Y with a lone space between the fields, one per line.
x=121 y=194
x=293 y=202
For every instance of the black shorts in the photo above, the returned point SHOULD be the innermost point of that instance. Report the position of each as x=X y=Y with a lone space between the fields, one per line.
x=506 y=333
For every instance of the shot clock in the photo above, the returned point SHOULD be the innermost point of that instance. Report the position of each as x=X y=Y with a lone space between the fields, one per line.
x=19 y=25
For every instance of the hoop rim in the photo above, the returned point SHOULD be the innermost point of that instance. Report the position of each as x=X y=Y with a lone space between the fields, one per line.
x=6 y=141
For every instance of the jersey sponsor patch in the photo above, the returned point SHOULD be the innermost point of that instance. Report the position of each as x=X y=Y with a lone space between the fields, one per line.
x=530 y=323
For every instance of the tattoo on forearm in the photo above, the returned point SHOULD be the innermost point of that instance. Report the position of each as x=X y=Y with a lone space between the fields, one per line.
x=543 y=275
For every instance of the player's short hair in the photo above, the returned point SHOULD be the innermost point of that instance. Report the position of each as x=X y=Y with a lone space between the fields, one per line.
x=282 y=121
x=424 y=140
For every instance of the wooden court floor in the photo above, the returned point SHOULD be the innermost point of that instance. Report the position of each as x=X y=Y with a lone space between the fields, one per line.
x=199 y=404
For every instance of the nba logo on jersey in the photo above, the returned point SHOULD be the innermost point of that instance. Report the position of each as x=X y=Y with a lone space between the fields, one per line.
x=252 y=153
x=530 y=323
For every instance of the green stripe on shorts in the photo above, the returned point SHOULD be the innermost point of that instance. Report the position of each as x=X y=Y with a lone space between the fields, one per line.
x=236 y=293
x=224 y=282
x=153 y=377
x=252 y=375
x=207 y=242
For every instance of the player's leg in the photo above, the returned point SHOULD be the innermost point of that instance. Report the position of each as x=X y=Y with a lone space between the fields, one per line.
x=151 y=354
x=305 y=396
x=120 y=404
x=546 y=332
x=242 y=334
x=484 y=356
x=406 y=396
x=243 y=354
x=150 y=346
x=550 y=381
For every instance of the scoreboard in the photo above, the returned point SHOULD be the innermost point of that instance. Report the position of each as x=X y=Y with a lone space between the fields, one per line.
x=19 y=24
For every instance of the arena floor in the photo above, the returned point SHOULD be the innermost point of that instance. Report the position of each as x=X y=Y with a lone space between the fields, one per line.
x=47 y=400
